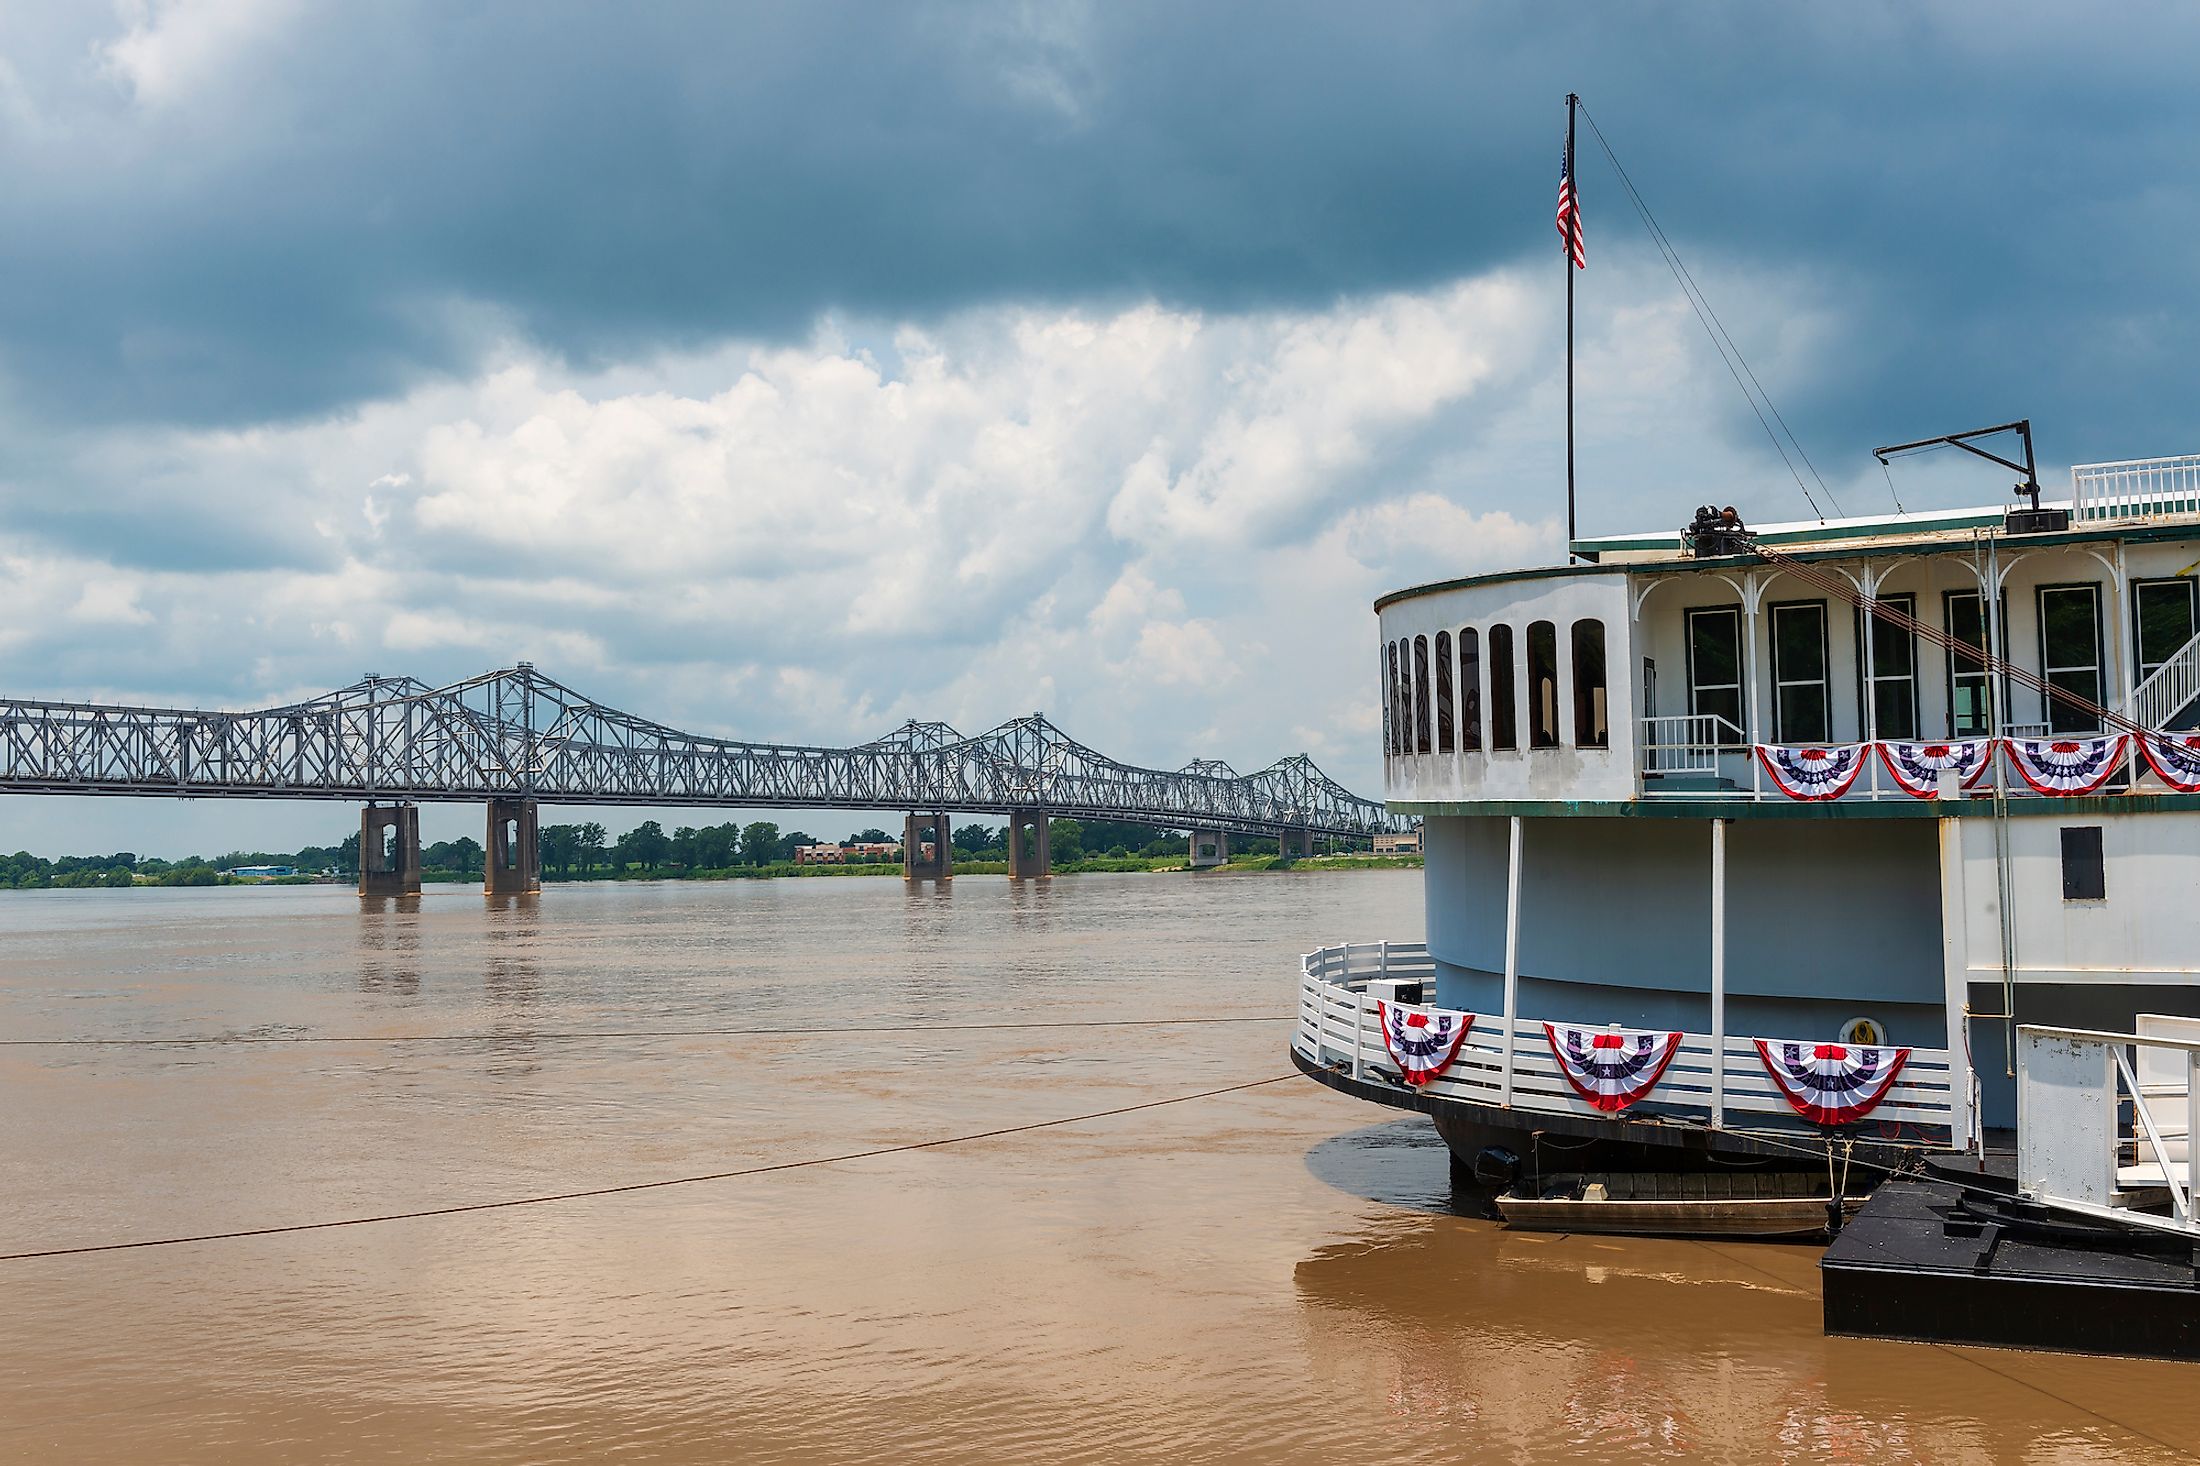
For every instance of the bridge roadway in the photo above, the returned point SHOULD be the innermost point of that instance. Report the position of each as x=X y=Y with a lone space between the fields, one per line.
x=514 y=737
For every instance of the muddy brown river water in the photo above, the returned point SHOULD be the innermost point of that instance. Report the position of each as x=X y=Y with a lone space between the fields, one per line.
x=1267 y=1275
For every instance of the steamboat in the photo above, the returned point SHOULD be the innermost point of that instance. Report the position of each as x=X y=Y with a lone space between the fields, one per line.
x=1755 y=849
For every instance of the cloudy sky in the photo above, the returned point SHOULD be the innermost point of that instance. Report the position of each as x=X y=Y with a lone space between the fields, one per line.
x=789 y=371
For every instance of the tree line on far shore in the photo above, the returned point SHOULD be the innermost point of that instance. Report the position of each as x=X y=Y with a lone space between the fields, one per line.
x=587 y=852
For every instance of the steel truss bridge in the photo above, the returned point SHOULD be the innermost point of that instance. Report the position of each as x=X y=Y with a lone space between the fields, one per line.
x=516 y=734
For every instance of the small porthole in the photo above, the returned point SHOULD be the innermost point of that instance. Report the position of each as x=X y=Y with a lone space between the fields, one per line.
x=1864 y=1033
x=2084 y=872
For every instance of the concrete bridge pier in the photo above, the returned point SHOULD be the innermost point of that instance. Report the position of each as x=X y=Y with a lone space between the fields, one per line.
x=919 y=831
x=1037 y=861
x=1210 y=848
x=512 y=853
x=1294 y=843
x=389 y=850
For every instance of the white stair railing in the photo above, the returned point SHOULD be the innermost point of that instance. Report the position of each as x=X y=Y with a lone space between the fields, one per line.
x=1688 y=743
x=2072 y=1087
x=2168 y=690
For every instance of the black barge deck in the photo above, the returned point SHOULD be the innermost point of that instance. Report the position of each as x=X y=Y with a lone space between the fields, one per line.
x=1953 y=1258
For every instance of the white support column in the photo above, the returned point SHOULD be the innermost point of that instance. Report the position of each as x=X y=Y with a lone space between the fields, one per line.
x=1311 y=985
x=2192 y=1131
x=1753 y=594
x=1359 y=1034
x=1512 y=955
x=2119 y=637
x=1955 y=961
x=1718 y=973
x=1864 y=657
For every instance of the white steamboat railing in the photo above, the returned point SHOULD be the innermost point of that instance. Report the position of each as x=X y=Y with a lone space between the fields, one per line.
x=1338 y=1029
x=2137 y=488
x=1706 y=769
x=2074 y=1150
x=1689 y=743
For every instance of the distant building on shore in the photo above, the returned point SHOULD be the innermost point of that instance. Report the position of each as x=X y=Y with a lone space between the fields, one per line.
x=260 y=872
x=842 y=854
x=1406 y=844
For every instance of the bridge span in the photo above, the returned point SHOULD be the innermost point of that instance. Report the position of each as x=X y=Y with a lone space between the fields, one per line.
x=512 y=738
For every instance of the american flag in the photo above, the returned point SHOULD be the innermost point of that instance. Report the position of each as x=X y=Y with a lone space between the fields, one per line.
x=1569 y=210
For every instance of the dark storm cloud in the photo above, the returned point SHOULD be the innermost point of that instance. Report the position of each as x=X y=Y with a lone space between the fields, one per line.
x=370 y=194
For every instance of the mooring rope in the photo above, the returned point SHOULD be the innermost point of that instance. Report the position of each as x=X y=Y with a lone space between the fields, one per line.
x=626 y=1188
x=582 y=1035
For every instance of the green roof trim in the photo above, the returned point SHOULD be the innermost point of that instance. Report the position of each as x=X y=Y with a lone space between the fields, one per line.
x=2130 y=533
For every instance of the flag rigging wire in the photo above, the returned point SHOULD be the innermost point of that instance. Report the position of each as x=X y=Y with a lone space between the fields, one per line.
x=1737 y=365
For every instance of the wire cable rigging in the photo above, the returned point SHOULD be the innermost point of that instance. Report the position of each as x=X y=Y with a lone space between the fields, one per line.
x=1737 y=365
x=630 y=1187
x=582 y=1035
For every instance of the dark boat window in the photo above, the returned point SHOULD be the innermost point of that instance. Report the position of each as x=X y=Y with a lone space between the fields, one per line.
x=1715 y=669
x=2070 y=654
x=2162 y=622
x=1386 y=672
x=2085 y=872
x=1969 y=715
x=1397 y=703
x=1405 y=694
x=1470 y=690
x=1542 y=685
x=1504 y=722
x=1801 y=707
x=1420 y=694
x=1444 y=710
x=1893 y=711
x=1591 y=728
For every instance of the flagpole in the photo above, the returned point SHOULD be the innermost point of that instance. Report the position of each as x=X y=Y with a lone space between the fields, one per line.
x=1566 y=259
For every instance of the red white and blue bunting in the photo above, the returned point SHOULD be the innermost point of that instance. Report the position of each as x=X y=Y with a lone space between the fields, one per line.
x=1811 y=771
x=1422 y=1041
x=2056 y=766
x=2175 y=759
x=1831 y=1084
x=1917 y=767
x=1611 y=1068
x=2066 y=765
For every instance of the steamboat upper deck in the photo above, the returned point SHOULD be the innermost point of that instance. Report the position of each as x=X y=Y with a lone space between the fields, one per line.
x=1647 y=679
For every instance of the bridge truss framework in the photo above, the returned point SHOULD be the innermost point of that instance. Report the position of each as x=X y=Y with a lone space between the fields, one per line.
x=516 y=734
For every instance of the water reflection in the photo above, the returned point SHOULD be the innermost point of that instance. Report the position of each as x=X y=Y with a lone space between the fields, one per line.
x=511 y=978
x=1401 y=1162
x=389 y=945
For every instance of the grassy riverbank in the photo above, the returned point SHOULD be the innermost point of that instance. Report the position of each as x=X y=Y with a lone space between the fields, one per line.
x=126 y=871
x=1102 y=865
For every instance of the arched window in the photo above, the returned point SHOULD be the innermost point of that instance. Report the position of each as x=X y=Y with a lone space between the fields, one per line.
x=1444 y=709
x=1420 y=694
x=1542 y=685
x=1386 y=657
x=1397 y=705
x=1470 y=690
x=1404 y=694
x=1504 y=718
x=1591 y=726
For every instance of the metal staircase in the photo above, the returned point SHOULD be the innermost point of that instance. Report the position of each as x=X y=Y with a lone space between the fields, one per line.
x=2168 y=690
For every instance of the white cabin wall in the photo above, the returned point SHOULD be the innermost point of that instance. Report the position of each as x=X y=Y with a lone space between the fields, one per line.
x=2146 y=931
x=1566 y=772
